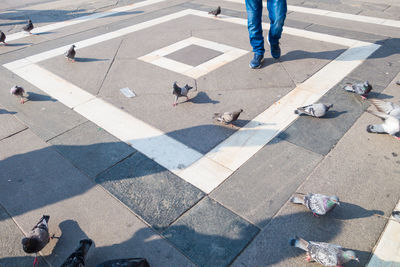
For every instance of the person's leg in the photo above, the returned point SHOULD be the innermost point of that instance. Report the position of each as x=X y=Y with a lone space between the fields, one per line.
x=277 y=13
x=254 y=12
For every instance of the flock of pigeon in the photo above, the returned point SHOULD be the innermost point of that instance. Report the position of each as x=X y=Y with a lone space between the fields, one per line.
x=324 y=253
x=39 y=237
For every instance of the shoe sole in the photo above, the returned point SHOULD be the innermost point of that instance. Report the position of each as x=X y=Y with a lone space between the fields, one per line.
x=259 y=66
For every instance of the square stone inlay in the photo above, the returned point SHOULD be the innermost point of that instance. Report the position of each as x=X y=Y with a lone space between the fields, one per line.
x=194 y=55
x=193 y=65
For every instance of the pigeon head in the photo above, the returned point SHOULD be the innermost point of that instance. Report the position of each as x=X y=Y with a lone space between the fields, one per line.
x=30 y=245
x=73 y=46
x=329 y=106
x=350 y=255
x=241 y=110
x=334 y=200
x=29 y=21
x=188 y=87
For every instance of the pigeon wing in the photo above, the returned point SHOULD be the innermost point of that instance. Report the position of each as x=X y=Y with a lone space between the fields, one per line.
x=324 y=253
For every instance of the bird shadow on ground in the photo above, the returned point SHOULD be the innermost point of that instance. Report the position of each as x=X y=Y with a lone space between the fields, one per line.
x=378 y=95
x=87 y=59
x=4 y=111
x=349 y=211
x=42 y=33
x=35 y=97
x=334 y=114
x=203 y=98
x=18 y=44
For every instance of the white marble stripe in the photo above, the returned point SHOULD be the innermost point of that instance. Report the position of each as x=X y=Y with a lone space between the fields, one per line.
x=173 y=65
x=338 y=15
x=58 y=25
x=155 y=144
x=56 y=87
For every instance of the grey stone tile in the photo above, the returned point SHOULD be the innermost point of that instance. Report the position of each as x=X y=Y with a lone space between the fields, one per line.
x=9 y=124
x=362 y=172
x=90 y=148
x=321 y=134
x=194 y=55
x=11 y=253
x=260 y=187
x=149 y=190
x=210 y=234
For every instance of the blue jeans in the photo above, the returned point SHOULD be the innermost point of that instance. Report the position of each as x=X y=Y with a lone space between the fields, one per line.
x=277 y=13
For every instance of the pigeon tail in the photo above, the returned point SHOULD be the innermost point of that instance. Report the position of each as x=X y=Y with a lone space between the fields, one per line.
x=349 y=88
x=299 y=243
x=217 y=115
x=297 y=200
x=375 y=128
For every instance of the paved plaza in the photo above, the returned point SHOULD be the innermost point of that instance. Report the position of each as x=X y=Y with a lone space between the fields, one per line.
x=143 y=178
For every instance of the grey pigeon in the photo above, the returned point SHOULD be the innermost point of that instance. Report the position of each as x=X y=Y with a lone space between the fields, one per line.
x=180 y=92
x=37 y=238
x=132 y=262
x=317 y=203
x=215 y=12
x=315 y=110
x=18 y=91
x=28 y=27
x=227 y=117
x=396 y=215
x=3 y=37
x=70 y=54
x=324 y=253
x=78 y=257
x=361 y=89
x=389 y=108
x=390 y=125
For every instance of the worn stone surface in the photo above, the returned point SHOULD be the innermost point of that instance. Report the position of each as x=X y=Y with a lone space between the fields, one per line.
x=149 y=190
x=210 y=234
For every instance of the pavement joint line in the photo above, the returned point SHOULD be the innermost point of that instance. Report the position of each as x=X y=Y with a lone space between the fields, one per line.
x=62 y=24
x=203 y=171
x=338 y=15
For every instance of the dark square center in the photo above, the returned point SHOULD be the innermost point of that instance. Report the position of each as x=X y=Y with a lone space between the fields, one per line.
x=193 y=55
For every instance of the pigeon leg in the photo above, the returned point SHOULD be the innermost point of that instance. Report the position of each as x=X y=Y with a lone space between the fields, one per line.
x=5 y=43
x=22 y=101
x=315 y=215
x=174 y=104
x=363 y=97
x=398 y=138
x=308 y=257
x=35 y=261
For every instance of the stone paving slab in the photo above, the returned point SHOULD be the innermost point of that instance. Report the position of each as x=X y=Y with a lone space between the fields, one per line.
x=11 y=253
x=91 y=149
x=265 y=182
x=361 y=171
x=149 y=190
x=58 y=117
x=48 y=184
x=9 y=124
x=210 y=234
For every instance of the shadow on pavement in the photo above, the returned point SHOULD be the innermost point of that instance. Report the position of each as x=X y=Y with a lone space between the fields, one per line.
x=4 y=111
x=32 y=96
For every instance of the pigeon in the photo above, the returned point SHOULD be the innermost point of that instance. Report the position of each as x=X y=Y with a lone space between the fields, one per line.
x=389 y=108
x=361 y=89
x=228 y=117
x=314 y=110
x=77 y=258
x=396 y=215
x=317 y=203
x=324 y=253
x=215 y=12
x=28 y=27
x=18 y=91
x=37 y=238
x=133 y=262
x=70 y=54
x=3 y=38
x=391 y=125
x=180 y=91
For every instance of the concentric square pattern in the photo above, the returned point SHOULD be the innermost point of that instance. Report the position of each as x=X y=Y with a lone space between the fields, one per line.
x=159 y=58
